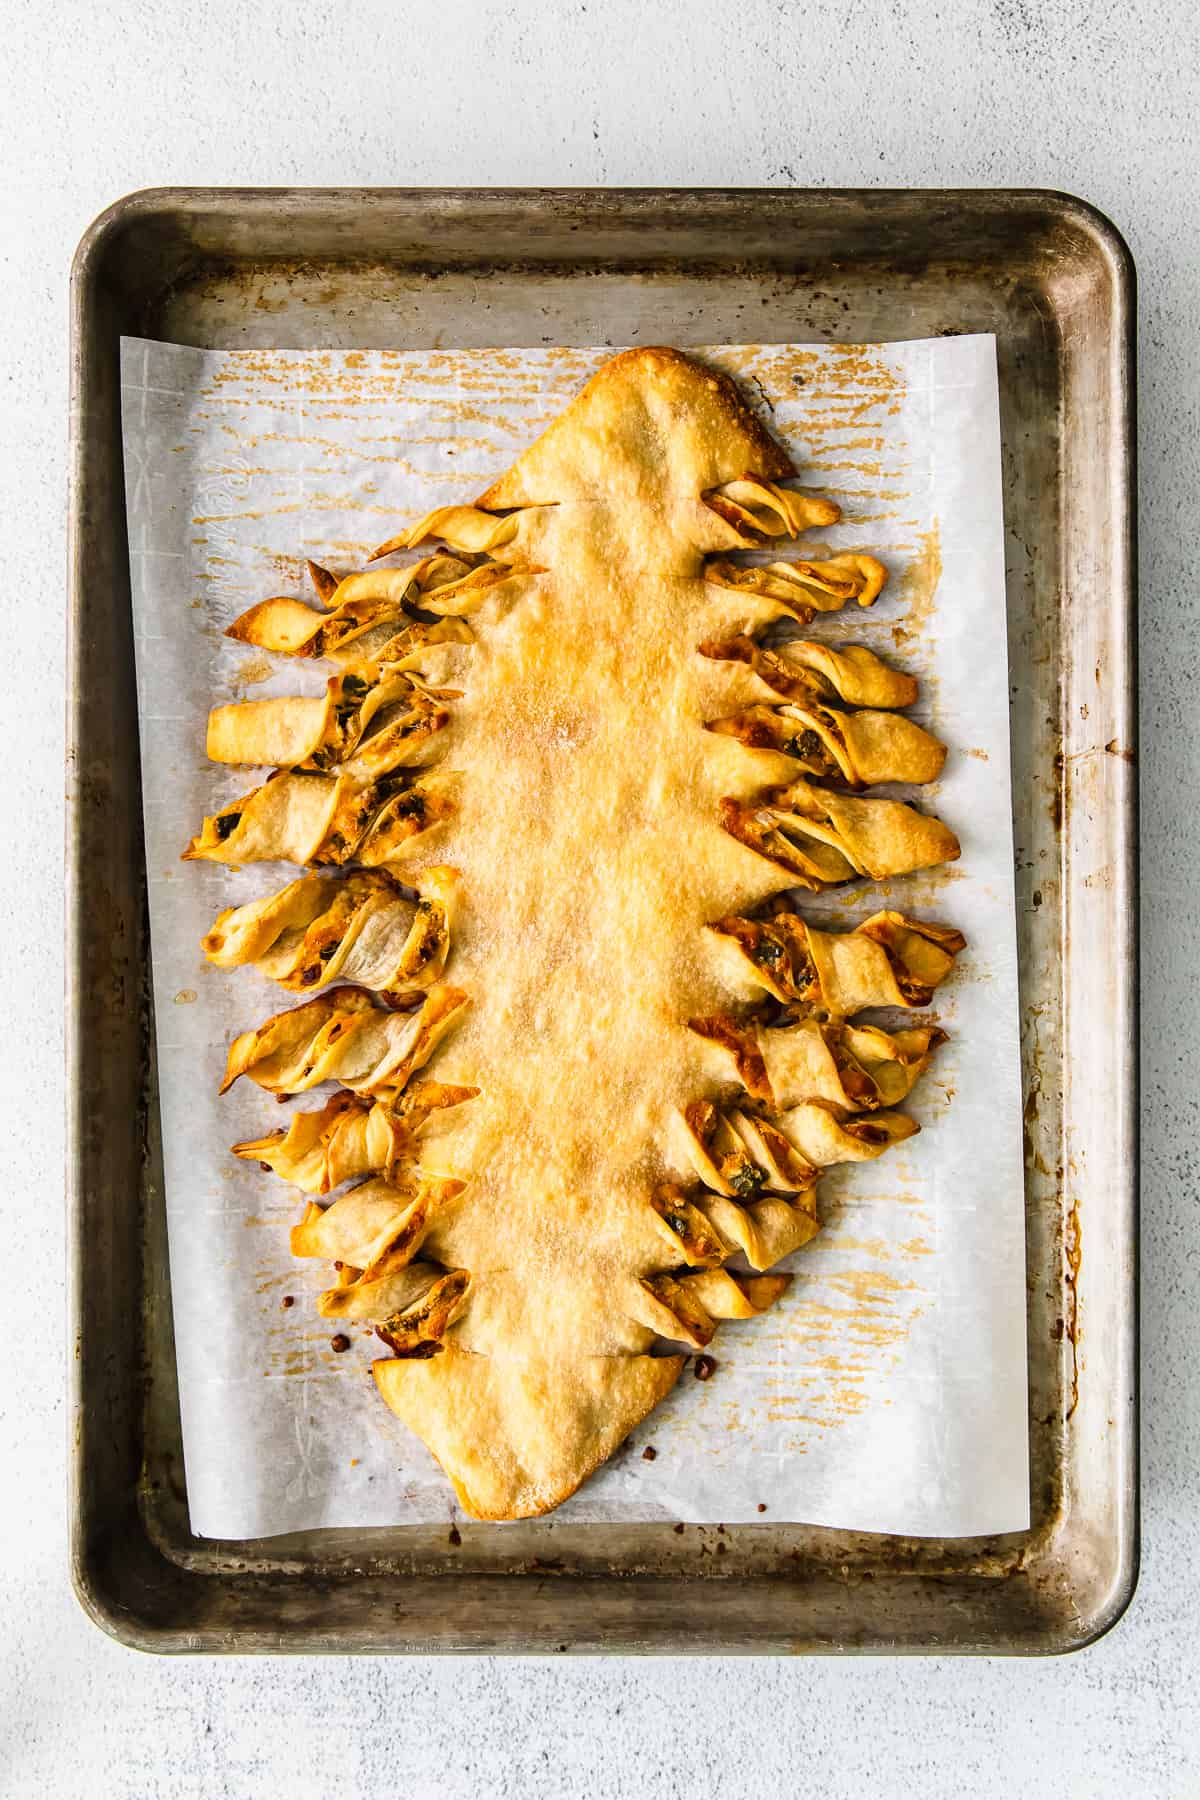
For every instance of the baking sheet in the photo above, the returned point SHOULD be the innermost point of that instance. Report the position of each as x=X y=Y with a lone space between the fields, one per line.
x=887 y=1391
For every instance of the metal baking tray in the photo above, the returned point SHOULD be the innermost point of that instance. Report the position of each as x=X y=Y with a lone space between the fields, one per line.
x=412 y=269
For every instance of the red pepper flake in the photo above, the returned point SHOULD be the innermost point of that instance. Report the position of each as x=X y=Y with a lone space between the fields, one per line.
x=340 y=1342
x=762 y=1506
x=455 y=1536
x=266 y=1168
x=288 y=1300
x=649 y=1453
x=704 y=1367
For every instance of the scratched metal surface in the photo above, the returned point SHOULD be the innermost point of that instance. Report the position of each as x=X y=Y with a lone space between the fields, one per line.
x=1052 y=282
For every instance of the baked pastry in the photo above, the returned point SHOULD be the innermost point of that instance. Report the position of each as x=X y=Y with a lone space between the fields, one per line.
x=551 y=1214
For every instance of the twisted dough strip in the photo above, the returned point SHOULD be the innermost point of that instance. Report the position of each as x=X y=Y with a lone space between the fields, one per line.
x=370 y=1223
x=800 y=590
x=368 y=728
x=327 y=819
x=858 y=749
x=372 y=1234
x=462 y=527
x=758 y=509
x=350 y=1137
x=342 y=1036
x=359 y=928
x=452 y=600
x=742 y=1155
x=687 y=1307
x=824 y=838
x=852 y=1068
x=704 y=1229
x=417 y=1328
x=763 y=1231
x=367 y=623
x=802 y=670
x=888 y=960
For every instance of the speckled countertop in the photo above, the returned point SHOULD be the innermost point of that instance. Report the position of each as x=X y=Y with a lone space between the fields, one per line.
x=1097 y=99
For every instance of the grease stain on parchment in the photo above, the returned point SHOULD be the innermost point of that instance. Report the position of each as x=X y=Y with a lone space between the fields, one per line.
x=917 y=584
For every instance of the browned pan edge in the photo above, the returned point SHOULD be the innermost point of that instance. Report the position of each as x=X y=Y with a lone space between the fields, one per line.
x=1054 y=280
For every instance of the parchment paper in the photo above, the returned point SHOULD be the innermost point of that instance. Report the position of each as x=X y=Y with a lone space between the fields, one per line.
x=887 y=1391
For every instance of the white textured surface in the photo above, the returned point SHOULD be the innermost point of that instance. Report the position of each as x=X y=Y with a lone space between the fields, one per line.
x=1096 y=98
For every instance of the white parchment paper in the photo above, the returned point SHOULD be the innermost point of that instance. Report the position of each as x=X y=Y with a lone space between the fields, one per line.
x=887 y=1391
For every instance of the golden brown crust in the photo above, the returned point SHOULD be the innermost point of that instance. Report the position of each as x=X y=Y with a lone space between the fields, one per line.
x=650 y=403
x=517 y=1436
